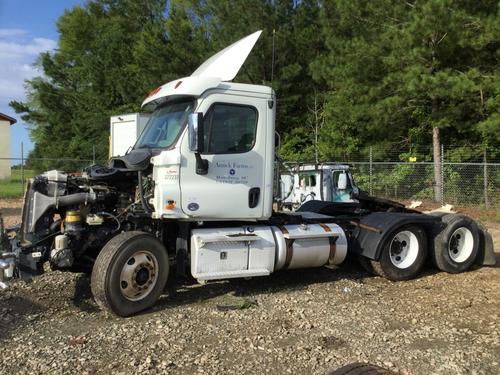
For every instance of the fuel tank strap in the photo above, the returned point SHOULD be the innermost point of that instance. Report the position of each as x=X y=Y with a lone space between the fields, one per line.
x=333 y=250
x=331 y=240
x=289 y=247
x=325 y=227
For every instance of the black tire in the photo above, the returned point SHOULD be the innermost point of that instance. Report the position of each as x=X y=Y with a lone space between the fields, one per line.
x=360 y=369
x=118 y=254
x=386 y=266
x=456 y=246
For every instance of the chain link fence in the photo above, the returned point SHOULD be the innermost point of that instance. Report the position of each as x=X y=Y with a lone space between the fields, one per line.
x=467 y=177
x=461 y=183
x=464 y=184
x=15 y=172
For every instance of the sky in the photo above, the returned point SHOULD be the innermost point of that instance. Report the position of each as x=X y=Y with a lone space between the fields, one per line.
x=27 y=28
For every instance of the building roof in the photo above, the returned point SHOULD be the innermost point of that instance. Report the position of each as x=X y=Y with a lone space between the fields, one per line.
x=7 y=118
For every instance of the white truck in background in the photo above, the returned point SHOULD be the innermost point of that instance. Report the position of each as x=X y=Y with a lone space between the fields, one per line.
x=196 y=193
x=124 y=131
x=300 y=183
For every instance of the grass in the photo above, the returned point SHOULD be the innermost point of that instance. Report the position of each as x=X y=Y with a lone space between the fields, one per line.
x=12 y=187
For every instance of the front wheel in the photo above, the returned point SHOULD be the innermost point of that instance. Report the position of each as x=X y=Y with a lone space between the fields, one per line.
x=403 y=254
x=130 y=273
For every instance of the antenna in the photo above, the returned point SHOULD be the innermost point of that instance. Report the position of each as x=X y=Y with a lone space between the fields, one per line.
x=272 y=60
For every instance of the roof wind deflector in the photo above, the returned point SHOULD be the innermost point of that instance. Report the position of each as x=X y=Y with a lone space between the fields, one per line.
x=226 y=63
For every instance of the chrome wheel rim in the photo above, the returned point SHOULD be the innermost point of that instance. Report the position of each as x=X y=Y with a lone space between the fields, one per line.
x=139 y=275
x=403 y=250
x=461 y=245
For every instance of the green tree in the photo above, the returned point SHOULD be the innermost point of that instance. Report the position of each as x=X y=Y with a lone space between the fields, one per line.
x=402 y=75
x=90 y=76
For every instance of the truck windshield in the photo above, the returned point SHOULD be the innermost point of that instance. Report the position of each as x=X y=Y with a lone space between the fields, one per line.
x=165 y=125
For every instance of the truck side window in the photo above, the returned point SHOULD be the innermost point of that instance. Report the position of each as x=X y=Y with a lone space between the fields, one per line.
x=229 y=129
x=307 y=179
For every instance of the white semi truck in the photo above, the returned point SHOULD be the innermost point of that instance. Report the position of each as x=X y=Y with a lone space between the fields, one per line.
x=195 y=194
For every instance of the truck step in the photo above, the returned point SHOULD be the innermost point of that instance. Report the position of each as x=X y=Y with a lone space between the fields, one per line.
x=233 y=274
x=228 y=238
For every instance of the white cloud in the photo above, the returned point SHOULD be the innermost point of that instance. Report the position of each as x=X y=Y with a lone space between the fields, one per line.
x=12 y=32
x=12 y=80
x=18 y=52
x=11 y=50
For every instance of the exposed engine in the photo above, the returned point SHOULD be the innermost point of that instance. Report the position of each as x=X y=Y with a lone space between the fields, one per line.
x=67 y=219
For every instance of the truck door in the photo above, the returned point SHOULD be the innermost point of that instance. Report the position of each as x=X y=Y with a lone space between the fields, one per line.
x=235 y=147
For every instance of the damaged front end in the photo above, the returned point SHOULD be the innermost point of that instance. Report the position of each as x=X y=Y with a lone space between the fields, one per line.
x=25 y=248
x=65 y=221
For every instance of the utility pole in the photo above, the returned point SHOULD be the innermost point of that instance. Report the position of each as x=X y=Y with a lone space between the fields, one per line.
x=22 y=166
x=485 y=179
x=436 y=154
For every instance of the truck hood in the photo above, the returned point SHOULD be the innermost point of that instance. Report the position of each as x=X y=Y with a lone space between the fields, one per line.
x=223 y=66
x=227 y=63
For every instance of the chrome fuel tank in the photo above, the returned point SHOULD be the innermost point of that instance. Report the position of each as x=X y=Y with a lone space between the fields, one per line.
x=309 y=245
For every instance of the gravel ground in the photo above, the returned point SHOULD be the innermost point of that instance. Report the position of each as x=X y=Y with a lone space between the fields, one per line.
x=296 y=322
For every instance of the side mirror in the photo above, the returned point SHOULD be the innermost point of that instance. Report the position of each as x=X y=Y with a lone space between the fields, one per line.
x=342 y=183
x=195 y=132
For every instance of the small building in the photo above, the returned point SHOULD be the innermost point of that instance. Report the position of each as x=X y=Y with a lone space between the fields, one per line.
x=5 y=123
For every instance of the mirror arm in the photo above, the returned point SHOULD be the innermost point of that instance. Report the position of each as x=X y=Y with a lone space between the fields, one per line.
x=201 y=164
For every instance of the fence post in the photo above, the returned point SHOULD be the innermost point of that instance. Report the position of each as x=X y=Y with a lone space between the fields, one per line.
x=485 y=177
x=22 y=167
x=442 y=174
x=371 y=171
x=93 y=154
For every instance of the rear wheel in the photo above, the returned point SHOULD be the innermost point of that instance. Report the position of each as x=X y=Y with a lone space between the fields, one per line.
x=360 y=369
x=457 y=245
x=130 y=273
x=403 y=254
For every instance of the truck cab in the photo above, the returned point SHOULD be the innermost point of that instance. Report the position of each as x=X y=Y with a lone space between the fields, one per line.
x=233 y=166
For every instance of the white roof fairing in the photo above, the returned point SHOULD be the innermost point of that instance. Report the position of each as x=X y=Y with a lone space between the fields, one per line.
x=187 y=86
x=221 y=67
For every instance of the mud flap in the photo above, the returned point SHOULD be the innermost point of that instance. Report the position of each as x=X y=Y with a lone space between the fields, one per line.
x=372 y=231
x=486 y=254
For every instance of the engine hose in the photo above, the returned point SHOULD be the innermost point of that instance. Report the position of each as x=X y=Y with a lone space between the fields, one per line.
x=55 y=225
x=113 y=217
x=73 y=199
x=144 y=203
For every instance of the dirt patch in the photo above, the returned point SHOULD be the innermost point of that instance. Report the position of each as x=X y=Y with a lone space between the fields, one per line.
x=11 y=211
x=490 y=215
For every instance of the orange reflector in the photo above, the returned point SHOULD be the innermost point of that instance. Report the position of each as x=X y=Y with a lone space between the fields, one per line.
x=155 y=91
x=170 y=205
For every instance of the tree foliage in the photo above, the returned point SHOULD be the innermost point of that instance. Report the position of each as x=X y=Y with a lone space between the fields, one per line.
x=384 y=72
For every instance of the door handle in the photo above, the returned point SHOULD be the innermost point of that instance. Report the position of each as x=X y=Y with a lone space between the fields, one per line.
x=253 y=197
